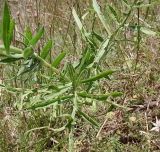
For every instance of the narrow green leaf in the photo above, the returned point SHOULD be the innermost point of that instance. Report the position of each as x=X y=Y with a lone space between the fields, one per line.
x=57 y=94
x=11 y=31
x=27 y=52
x=114 y=13
x=98 y=36
x=101 y=51
x=85 y=35
x=58 y=59
x=92 y=96
x=6 y=26
x=100 y=96
x=79 y=23
x=88 y=118
x=103 y=97
x=27 y=35
x=49 y=102
x=46 y=49
x=101 y=17
x=125 y=1
x=99 y=76
x=83 y=61
x=1 y=30
x=36 y=37
x=9 y=60
x=52 y=87
x=147 y=31
x=71 y=72
x=116 y=94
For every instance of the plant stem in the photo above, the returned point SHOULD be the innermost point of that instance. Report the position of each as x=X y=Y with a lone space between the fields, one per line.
x=71 y=135
x=138 y=38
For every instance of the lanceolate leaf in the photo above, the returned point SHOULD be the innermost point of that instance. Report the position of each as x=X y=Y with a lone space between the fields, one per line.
x=148 y=31
x=58 y=59
x=71 y=72
x=80 y=25
x=114 y=13
x=56 y=94
x=37 y=37
x=27 y=35
x=46 y=49
x=99 y=76
x=99 y=96
x=1 y=31
x=101 y=51
x=49 y=102
x=6 y=26
x=88 y=118
x=11 y=30
x=9 y=60
x=77 y=19
x=87 y=58
x=100 y=38
x=12 y=58
x=101 y=17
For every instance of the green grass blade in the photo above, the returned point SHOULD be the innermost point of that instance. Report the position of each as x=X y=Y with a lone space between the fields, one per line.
x=99 y=96
x=46 y=49
x=92 y=96
x=27 y=35
x=101 y=17
x=1 y=30
x=58 y=59
x=79 y=23
x=86 y=60
x=71 y=72
x=114 y=13
x=11 y=31
x=99 y=76
x=103 y=97
x=88 y=118
x=56 y=94
x=6 y=26
x=101 y=51
x=9 y=60
x=148 y=31
x=49 y=102
x=37 y=37
x=98 y=37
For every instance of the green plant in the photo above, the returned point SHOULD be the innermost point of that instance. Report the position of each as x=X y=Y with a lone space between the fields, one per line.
x=73 y=87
